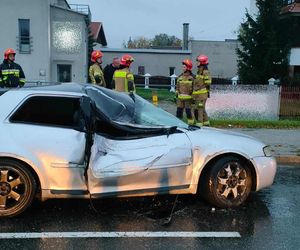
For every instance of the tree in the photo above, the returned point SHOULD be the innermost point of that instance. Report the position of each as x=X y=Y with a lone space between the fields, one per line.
x=164 y=40
x=264 y=49
x=140 y=42
x=161 y=40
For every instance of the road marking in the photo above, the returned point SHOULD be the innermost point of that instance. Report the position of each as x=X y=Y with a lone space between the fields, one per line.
x=120 y=235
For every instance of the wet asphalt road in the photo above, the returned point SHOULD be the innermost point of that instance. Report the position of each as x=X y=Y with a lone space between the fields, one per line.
x=270 y=219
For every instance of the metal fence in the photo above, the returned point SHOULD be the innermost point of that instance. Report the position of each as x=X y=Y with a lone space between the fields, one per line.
x=290 y=102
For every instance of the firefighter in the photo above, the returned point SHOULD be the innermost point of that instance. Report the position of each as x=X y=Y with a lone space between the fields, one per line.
x=95 y=70
x=123 y=79
x=11 y=73
x=201 y=91
x=184 y=89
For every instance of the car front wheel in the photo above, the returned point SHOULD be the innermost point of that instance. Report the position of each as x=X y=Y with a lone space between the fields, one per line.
x=228 y=183
x=17 y=188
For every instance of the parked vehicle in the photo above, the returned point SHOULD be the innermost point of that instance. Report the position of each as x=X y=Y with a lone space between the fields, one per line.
x=81 y=141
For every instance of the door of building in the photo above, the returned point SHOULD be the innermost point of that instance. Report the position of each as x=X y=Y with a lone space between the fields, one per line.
x=64 y=72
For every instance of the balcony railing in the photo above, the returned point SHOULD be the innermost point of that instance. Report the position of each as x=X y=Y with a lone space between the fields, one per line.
x=82 y=8
x=24 y=44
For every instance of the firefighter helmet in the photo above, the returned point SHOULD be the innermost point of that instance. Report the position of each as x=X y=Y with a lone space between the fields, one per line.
x=202 y=59
x=9 y=52
x=188 y=63
x=126 y=60
x=96 y=54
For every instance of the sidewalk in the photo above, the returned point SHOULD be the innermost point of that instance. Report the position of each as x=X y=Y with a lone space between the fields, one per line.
x=285 y=142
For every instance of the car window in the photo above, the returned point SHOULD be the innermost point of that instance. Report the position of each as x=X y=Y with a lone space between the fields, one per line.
x=48 y=110
x=114 y=105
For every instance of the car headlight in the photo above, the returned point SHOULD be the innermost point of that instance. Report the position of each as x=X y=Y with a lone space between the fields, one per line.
x=268 y=151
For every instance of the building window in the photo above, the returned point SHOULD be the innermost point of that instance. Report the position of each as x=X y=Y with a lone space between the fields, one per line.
x=24 y=36
x=171 y=71
x=141 y=70
x=64 y=72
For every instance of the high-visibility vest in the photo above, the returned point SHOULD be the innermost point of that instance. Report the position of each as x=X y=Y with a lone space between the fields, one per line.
x=122 y=77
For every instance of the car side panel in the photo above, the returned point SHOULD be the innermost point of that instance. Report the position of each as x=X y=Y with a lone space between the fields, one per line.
x=55 y=153
x=155 y=163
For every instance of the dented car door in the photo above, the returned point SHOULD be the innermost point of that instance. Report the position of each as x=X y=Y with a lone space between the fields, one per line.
x=154 y=164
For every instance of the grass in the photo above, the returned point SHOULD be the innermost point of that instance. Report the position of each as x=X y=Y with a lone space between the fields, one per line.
x=163 y=94
x=280 y=124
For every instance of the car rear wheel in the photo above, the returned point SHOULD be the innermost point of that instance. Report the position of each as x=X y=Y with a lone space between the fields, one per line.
x=228 y=182
x=17 y=188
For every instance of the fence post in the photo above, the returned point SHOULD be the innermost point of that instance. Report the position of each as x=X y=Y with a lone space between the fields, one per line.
x=271 y=81
x=234 y=80
x=173 y=83
x=147 y=76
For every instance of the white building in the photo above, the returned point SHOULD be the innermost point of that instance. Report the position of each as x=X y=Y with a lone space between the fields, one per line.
x=49 y=36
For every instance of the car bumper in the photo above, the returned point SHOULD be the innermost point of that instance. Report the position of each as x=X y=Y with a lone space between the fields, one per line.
x=265 y=171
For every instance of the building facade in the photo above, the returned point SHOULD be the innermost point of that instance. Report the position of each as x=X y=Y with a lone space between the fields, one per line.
x=50 y=38
x=156 y=62
x=160 y=62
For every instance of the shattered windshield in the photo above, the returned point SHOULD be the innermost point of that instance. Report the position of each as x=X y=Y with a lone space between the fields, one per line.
x=147 y=114
x=135 y=110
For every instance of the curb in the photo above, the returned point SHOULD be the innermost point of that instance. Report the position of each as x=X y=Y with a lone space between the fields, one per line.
x=288 y=159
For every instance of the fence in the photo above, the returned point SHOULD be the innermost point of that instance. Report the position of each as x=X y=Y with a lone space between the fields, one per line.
x=290 y=102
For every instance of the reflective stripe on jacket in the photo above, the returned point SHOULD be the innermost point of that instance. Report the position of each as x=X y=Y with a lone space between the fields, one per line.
x=202 y=82
x=11 y=75
x=124 y=80
x=184 y=86
x=96 y=75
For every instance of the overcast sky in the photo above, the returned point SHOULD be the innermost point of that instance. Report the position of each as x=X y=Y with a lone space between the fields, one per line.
x=209 y=20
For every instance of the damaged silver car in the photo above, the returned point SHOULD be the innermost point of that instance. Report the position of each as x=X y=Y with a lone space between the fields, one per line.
x=81 y=141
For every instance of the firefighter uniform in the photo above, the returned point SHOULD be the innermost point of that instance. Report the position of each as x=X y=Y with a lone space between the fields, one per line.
x=184 y=89
x=11 y=73
x=96 y=75
x=123 y=79
x=200 y=94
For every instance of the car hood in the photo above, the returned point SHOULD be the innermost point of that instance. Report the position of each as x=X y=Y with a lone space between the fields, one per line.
x=212 y=140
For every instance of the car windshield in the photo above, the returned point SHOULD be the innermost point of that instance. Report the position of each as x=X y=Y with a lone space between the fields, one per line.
x=147 y=114
x=135 y=110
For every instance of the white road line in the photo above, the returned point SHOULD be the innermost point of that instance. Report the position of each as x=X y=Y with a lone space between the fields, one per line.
x=120 y=235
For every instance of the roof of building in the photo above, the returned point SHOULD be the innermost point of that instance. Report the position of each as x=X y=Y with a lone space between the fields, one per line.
x=98 y=33
x=150 y=51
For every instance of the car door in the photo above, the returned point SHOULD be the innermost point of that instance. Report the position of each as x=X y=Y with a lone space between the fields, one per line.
x=131 y=166
x=43 y=130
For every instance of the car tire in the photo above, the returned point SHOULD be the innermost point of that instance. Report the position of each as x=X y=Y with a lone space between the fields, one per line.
x=17 y=188
x=228 y=182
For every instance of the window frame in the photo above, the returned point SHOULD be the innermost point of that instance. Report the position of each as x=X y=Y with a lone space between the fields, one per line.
x=29 y=97
x=26 y=38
